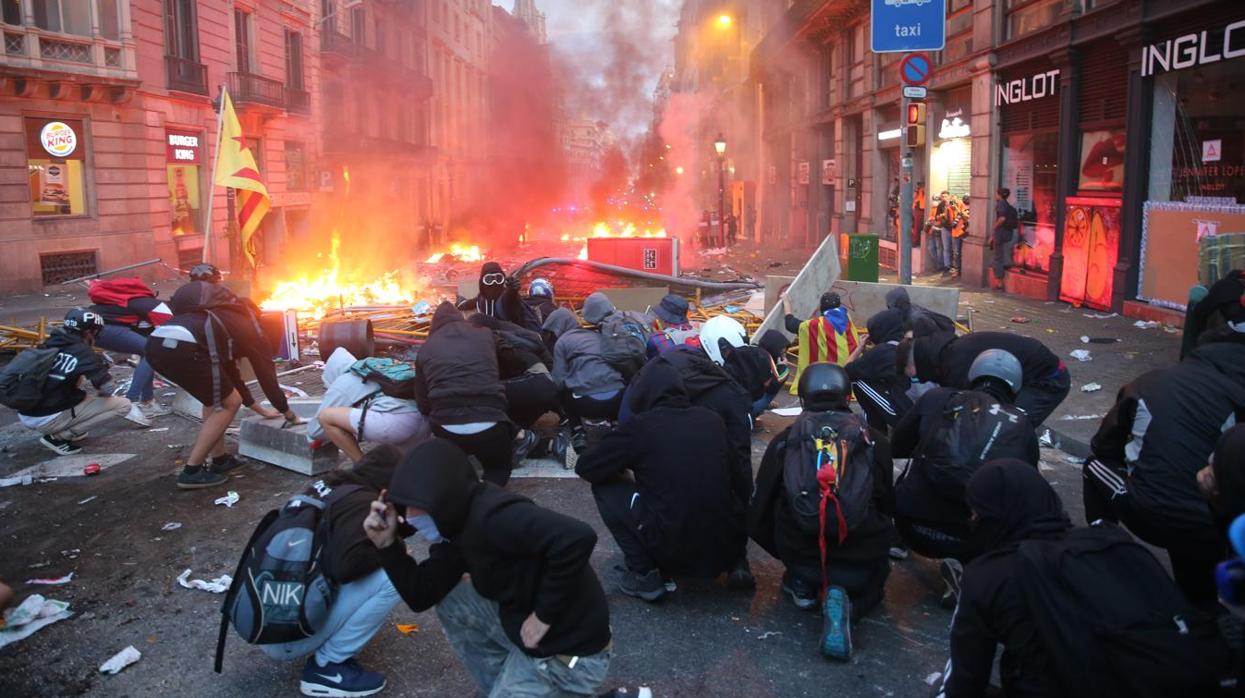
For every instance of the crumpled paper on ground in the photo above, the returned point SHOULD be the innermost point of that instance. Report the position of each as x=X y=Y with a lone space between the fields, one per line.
x=231 y=498
x=121 y=660
x=33 y=614
x=1081 y=355
x=217 y=586
x=1091 y=388
x=788 y=411
x=50 y=581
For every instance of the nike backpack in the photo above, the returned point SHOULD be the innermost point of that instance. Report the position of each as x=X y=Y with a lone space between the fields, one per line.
x=280 y=592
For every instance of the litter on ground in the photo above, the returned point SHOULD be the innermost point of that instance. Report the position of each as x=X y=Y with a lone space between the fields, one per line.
x=231 y=498
x=1090 y=388
x=1081 y=355
x=51 y=581
x=217 y=586
x=121 y=660
x=33 y=614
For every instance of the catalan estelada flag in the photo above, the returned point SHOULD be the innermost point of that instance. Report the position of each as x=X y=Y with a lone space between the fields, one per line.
x=823 y=338
x=235 y=167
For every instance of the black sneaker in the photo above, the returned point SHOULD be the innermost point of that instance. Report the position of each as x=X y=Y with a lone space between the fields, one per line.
x=339 y=680
x=740 y=577
x=649 y=587
x=225 y=463
x=60 y=446
x=951 y=571
x=836 y=634
x=197 y=477
x=802 y=594
x=524 y=445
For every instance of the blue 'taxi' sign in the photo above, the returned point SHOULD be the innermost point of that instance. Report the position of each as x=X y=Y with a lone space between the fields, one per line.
x=899 y=26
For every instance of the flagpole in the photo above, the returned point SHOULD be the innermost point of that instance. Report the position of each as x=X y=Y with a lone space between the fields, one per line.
x=220 y=122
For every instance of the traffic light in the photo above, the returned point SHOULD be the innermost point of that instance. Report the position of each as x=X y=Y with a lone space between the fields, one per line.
x=915 y=124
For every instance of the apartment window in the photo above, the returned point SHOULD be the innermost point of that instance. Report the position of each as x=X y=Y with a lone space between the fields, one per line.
x=295 y=166
x=294 y=60
x=1028 y=16
x=358 y=25
x=65 y=16
x=328 y=15
x=181 y=35
x=242 y=39
x=11 y=12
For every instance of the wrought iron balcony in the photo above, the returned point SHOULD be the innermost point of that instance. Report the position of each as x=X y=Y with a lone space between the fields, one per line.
x=186 y=75
x=248 y=88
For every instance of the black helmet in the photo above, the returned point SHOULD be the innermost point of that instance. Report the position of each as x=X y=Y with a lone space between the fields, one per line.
x=80 y=320
x=824 y=381
x=205 y=272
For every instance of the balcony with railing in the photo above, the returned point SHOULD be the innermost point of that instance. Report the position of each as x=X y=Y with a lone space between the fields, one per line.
x=186 y=75
x=297 y=101
x=334 y=43
x=251 y=89
x=44 y=51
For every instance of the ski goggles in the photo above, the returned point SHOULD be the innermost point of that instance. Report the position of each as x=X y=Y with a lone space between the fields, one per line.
x=493 y=279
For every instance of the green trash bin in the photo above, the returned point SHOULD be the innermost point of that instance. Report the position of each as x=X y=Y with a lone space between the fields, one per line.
x=862 y=258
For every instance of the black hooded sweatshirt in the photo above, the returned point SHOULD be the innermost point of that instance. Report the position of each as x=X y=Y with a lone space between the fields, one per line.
x=945 y=359
x=922 y=321
x=525 y=557
x=876 y=366
x=689 y=512
x=457 y=379
x=709 y=386
x=1013 y=503
x=1166 y=423
x=1229 y=468
x=76 y=360
x=501 y=301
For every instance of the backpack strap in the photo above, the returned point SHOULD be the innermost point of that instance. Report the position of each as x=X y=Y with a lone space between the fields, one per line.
x=827 y=481
x=364 y=404
x=234 y=585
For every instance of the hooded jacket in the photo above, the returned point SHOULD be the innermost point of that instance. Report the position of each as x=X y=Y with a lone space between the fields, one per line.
x=1013 y=503
x=597 y=307
x=751 y=368
x=1166 y=423
x=525 y=557
x=1229 y=468
x=519 y=350
x=346 y=389
x=710 y=386
x=688 y=513
x=577 y=362
x=922 y=321
x=457 y=380
x=873 y=372
x=945 y=359
x=501 y=301
x=76 y=360
x=141 y=313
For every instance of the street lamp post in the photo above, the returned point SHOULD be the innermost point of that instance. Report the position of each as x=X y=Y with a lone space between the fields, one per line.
x=719 y=146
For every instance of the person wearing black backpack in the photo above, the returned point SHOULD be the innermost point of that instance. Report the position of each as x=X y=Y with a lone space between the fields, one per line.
x=948 y=435
x=198 y=350
x=833 y=538
x=531 y=619
x=590 y=388
x=62 y=388
x=1080 y=612
x=680 y=511
x=882 y=393
x=458 y=388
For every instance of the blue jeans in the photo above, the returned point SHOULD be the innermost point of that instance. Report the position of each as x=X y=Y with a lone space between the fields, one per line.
x=759 y=407
x=957 y=253
x=358 y=612
x=945 y=236
x=123 y=340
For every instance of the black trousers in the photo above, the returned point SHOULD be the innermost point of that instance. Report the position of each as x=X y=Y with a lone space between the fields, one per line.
x=493 y=447
x=1038 y=400
x=530 y=396
x=616 y=501
x=582 y=407
x=1194 y=554
x=936 y=540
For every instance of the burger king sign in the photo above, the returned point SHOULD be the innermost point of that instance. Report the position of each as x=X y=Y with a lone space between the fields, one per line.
x=58 y=139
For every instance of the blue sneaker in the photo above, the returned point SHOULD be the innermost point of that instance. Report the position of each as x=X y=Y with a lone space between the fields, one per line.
x=339 y=680
x=836 y=634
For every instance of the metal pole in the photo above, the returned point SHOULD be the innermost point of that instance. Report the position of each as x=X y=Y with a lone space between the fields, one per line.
x=127 y=267
x=905 y=199
x=722 y=199
x=207 y=214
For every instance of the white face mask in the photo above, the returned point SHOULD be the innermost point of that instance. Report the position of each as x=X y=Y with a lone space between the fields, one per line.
x=426 y=528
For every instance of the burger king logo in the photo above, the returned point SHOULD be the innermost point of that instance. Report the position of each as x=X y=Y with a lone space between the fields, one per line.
x=58 y=139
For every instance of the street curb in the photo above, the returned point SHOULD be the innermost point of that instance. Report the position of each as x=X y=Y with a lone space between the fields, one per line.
x=1069 y=444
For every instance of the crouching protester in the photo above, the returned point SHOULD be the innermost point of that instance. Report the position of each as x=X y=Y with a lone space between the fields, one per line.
x=523 y=363
x=665 y=487
x=948 y=435
x=131 y=311
x=364 y=595
x=1080 y=612
x=881 y=392
x=531 y=619
x=61 y=389
x=354 y=410
x=198 y=350
x=822 y=506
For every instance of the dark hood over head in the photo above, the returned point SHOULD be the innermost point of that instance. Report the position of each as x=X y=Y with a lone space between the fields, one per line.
x=493 y=291
x=1229 y=468
x=886 y=326
x=750 y=366
x=560 y=322
x=1013 y=502
x=197 y=294
x=927 y=351
x=897 y=299
x=445 y=314
x=775 y=343
x=437 y=478
x=660 y=385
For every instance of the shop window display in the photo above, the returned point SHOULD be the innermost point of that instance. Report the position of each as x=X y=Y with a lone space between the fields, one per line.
x=1030 y=171
x=55 y=164
x=1198 y=134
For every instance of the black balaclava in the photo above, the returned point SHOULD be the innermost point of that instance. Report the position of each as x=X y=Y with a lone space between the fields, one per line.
x=437 y=478
x=886 y=326
x=489 y=294
x=1013 y=502
x=1229 y=468
x=751 y=367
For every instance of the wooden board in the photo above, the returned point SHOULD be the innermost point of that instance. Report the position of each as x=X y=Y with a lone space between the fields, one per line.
x=1169 y=246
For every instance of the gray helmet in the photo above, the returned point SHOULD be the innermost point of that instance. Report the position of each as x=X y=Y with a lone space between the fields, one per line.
x=823 y=381
x=999 y=364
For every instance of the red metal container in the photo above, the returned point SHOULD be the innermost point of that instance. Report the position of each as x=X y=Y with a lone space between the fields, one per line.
x=654 y=255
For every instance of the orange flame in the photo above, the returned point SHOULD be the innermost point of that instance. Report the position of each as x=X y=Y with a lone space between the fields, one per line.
x=460 y=252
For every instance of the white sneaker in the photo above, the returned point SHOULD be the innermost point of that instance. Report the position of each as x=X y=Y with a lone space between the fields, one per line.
x=153 y=409
x=136 y=415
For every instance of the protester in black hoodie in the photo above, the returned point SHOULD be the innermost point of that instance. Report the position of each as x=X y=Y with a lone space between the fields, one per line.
x=458 y=388
x=881 y=392
x=918 y=320
x=1222 y=482
x=945 y=359
x=1149 y=448
x=499 y=297
x=678 y=512
x=198 y=350
x=533 y=605
x=365 y=596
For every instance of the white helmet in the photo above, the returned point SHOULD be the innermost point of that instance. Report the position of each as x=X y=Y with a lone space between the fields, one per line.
x=721 y=329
